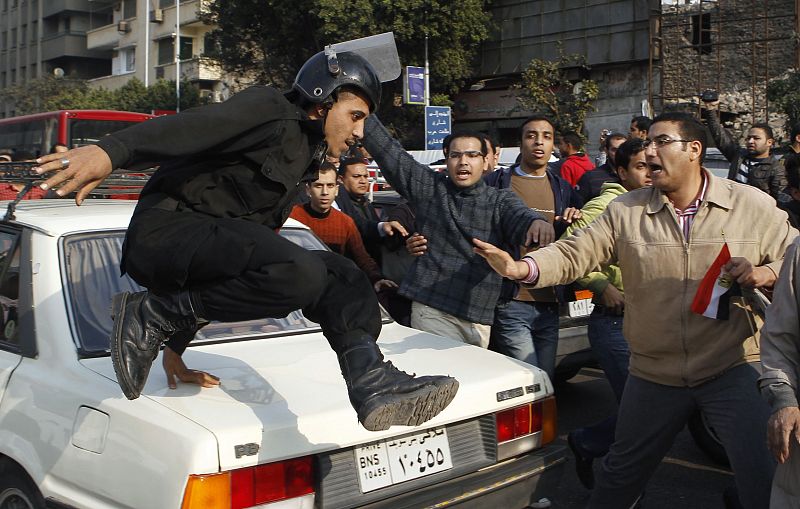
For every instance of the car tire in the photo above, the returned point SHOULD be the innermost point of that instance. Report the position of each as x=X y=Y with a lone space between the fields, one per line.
x=17 y=491
x=706 y=438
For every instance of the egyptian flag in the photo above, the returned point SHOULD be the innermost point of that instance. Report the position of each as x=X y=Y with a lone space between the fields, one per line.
x=716 y=289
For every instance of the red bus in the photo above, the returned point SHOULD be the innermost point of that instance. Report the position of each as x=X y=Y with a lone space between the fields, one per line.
x=37 y=133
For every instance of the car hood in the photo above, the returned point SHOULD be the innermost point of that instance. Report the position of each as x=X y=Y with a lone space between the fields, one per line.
x=288 y=396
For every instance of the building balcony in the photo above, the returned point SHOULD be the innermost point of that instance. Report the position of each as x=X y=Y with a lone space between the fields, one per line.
x=68 y=44
x=196 y=69
x=111 y=82
x=103 y=38
x=51 y=7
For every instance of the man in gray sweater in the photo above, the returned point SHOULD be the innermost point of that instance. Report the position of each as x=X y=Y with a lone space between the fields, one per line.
x=453 y=291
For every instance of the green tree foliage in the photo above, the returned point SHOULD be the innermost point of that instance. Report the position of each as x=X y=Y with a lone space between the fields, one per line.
x=547 y=90
x=784 y=93
x=50 y=93
x=270 y=40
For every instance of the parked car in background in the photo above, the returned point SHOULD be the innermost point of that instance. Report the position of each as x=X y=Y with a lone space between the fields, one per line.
x=279 y=432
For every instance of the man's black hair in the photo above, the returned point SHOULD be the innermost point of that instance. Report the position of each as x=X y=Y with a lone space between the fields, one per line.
x=626 y=151
x=764 y=127
x=642 y=123
x=464 y=134
x=792 y=164
x=490 y=141
x=688 y=128
x=572 y=138
x=536 y=118
x=350 y=160
x=614 y=136
x=795 y=132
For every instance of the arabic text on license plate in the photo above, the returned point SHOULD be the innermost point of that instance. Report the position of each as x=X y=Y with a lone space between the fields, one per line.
x=581 y=307
x=393 y=461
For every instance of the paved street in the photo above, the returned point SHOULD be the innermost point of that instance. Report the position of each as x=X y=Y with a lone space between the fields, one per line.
x=685 y=479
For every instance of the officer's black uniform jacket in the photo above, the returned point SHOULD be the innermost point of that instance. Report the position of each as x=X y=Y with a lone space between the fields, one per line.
x=244 y=158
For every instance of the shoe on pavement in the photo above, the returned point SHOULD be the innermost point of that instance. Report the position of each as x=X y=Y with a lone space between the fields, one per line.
x=583 y=462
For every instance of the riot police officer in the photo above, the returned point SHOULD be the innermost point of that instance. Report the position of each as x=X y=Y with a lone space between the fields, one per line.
x=202 y=239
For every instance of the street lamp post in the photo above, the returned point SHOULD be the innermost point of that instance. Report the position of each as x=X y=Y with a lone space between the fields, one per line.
x=178 y=55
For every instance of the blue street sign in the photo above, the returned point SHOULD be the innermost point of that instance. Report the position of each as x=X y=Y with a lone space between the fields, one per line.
x=437 y=126
x=414 y=85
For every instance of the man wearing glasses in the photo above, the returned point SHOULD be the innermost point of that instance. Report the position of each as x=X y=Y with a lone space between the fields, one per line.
x=664 y=239
x=452 y=290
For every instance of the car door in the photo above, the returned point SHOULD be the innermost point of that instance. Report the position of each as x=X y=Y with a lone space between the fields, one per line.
x=10 y=340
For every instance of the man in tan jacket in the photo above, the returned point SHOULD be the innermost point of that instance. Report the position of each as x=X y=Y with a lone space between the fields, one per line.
x=780 y=357
x=664 y=239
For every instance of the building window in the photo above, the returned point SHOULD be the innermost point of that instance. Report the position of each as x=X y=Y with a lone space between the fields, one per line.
x=23 y=39
x=128 y=58
x=13 y=77
x=187 y=45
x=129 y=9
x=210 y=46
x=33 y=71
x=13 y=42
x=23 y=77
x=34 y=25
x=166 y=3
x=701 y=33
x=165 y=51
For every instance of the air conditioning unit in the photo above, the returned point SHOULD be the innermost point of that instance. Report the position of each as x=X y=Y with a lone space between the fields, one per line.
x=123 y=27
x=207 y=94
x=157 y=16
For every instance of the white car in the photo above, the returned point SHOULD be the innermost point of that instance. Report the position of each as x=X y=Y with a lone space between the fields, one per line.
x=277 y=433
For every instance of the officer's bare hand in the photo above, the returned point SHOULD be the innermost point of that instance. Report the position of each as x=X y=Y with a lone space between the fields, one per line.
x=384 y=284
x=416 y=244
x=570 y=214
x=500 y=261
x=540 y=233
x=748 y=276
x=389 y=227
x=175 y=368
x=86 y=167
x=783 y=427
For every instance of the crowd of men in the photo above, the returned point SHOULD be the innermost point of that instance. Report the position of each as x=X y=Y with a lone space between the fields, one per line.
x=453 y=296
x=488 y=253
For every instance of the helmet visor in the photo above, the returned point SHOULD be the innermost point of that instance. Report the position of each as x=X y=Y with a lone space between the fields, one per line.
x=379 y=50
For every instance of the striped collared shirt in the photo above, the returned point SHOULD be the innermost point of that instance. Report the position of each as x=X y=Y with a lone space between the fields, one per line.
x=686 y=216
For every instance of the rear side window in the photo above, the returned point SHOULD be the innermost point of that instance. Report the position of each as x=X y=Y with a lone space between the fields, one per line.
x=92 y=278
x=9 y=287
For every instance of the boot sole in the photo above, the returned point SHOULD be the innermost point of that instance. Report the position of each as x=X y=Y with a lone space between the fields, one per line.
x=408 y=409
x=118 y=303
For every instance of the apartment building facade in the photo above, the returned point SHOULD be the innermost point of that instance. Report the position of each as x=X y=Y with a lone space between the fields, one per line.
x=140 y=36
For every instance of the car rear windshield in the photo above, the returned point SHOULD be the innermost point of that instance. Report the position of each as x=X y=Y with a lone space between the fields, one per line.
x=92 y=277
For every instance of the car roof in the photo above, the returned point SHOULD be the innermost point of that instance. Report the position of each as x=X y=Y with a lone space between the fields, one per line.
x=56 y=217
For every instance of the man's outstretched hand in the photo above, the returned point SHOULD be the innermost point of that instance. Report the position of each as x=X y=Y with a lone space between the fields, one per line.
x=80 y=169
x=175 y=368
x=500 y=261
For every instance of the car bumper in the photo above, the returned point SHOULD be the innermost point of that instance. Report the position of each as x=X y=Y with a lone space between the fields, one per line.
x=512 y=484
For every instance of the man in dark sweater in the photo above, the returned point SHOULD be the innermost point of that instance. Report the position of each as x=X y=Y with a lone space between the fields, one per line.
x=452 y=291
x=227 y=177
x=590 y=183
x=754 y=164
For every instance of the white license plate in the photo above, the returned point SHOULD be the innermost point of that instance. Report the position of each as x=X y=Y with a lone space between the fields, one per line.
x=581 y=307
x=389 y=462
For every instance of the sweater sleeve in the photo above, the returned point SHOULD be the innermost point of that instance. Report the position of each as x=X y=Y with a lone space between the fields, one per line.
x=780 y=337
x=413 y=181
x=195 y=130
x=354 y=247
x=722 y=138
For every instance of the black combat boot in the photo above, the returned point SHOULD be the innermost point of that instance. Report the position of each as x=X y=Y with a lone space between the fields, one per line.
x=142 y=322
x=384 y=396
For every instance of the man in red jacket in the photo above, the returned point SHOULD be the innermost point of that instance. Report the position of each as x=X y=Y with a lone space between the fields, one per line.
x=576 y=163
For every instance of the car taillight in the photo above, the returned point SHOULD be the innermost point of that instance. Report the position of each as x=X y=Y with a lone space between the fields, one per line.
x=251 y=486
x=527 y=419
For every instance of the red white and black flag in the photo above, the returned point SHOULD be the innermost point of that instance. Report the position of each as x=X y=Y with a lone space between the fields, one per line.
x=716 y=289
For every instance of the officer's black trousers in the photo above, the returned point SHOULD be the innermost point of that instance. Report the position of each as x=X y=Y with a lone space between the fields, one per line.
x=241 y=270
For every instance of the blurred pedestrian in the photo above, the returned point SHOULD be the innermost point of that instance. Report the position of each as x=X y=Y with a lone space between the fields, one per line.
x=590 y=183
x=574 y=161
x=639 y=127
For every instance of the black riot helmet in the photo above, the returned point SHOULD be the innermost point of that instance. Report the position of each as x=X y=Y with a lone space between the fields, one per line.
x=328 y=70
